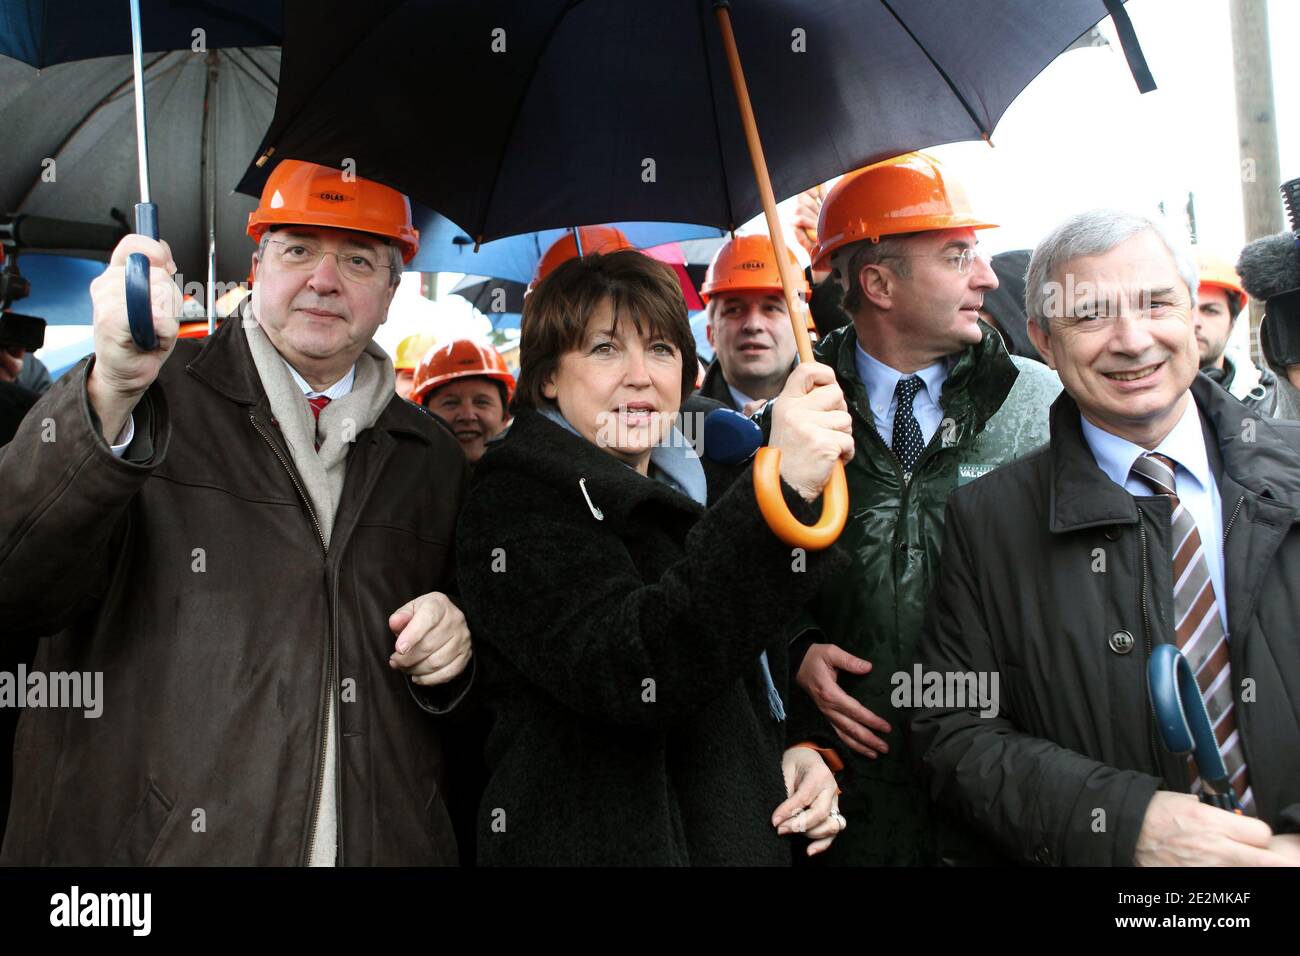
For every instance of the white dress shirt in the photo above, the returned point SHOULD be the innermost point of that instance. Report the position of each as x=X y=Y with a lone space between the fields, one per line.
x=881 y=381
x=1194 y=481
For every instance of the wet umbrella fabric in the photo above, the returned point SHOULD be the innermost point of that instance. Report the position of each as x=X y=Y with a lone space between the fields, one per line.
x=598 y=112
x=81 y=116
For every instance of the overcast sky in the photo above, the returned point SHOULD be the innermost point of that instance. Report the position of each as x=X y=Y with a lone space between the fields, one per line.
x=1081 y=135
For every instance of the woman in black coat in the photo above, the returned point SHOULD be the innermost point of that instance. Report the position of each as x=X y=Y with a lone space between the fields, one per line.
x=631 y=640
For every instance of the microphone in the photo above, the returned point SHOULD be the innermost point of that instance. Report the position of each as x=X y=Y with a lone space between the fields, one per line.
x=1270 y=266
x=729 y=437
x=1270 y=272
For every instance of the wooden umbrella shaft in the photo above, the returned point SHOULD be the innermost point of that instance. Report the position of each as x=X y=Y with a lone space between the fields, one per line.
x=794 y=306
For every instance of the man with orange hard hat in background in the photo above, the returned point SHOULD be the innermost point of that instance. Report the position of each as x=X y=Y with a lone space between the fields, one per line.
x=748 y=327
x=1220 y=299
x=469 y=387
x=935 y=402
x=251 y=536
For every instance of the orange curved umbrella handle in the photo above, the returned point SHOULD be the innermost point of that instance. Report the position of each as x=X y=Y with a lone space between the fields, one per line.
x=771 y=503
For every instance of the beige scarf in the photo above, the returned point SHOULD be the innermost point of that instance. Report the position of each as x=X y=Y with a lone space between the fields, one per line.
x=322 y=473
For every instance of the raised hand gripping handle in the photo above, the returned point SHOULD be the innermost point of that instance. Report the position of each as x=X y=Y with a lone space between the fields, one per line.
x=139 y=304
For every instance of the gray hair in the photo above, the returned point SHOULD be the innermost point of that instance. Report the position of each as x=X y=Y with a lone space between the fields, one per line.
x=394 y=256
x=847 y=263
x=1094 y=233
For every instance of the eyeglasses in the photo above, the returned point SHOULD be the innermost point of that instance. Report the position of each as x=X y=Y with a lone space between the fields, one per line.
x=304 y=255
x=961 y=262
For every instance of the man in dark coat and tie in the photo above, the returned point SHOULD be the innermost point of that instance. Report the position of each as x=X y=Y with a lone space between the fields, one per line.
x=1163 y=511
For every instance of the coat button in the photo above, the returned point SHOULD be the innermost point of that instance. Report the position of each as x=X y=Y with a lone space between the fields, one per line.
x=1121 y=642
x=1043 y=855
x=1112 y=533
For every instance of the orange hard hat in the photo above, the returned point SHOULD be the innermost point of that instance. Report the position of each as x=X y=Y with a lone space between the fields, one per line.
x=1221 y=274
x=305 y=194
x=460 y=359
x=595 y=239
x=748 y=264
x=909 y=193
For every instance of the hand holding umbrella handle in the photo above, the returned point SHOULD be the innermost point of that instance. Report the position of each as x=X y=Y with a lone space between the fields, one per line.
x=1184 y=725
x=139 y=304
x=771 y=503
x=767 y=466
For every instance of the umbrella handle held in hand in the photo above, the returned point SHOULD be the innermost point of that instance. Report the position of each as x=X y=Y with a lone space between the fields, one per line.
x=139 y=305
x=1183 y=723
x=771 y=503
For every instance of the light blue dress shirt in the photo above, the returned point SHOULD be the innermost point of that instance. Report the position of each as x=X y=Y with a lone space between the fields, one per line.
x=1194 y=481
x=881 y=381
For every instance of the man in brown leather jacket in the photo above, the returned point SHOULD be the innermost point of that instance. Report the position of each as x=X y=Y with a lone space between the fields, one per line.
x=240 y=549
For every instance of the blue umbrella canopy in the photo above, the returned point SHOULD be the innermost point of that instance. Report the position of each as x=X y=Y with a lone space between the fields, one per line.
x=445 y=247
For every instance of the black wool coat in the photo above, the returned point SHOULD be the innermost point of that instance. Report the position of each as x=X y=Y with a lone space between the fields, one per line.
x=618 y=627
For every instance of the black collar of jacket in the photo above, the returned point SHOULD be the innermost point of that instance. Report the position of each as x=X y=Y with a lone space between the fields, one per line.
x=714 y=385
x=979 y=380
x=1082 y=495
x=542 y=450
x=224 y=362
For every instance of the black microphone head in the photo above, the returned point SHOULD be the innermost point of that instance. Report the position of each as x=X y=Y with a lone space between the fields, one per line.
x=1291 y=196
x=1270 y=266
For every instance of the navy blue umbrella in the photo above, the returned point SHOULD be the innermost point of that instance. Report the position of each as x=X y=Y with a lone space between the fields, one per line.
x=44 y=32
x=568 y=113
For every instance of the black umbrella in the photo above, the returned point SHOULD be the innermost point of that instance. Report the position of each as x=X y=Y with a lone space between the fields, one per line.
x=45 y=32
x=596 y=112
x=621 y=109
x=490 y=295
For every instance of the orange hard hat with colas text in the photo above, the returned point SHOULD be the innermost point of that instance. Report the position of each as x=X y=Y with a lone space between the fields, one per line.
x=748 y=264
x=306 y=194
x=462 y=358
x=909 y=193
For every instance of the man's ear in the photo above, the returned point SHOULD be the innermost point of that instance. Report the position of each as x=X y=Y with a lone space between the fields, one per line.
x=252 y=268
x=1042 y=341
x=548 y=387
x=708 y=333
x=877 y=285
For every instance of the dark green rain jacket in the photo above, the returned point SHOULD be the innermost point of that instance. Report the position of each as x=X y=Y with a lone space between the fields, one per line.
x=995 y=410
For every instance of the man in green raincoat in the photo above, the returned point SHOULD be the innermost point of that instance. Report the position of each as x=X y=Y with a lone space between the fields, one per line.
x=936 y=402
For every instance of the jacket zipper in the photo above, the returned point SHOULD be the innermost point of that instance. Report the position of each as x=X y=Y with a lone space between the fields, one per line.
x=1235 y=511
x=333 y=649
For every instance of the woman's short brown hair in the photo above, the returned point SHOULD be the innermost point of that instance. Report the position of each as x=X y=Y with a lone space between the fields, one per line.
x=639 y=289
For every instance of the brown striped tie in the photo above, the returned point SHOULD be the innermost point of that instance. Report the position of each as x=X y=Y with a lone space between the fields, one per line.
x=1199 y=632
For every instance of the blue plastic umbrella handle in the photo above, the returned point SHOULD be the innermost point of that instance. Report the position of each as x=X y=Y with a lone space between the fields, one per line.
x=139 y=307
x=1183 y=722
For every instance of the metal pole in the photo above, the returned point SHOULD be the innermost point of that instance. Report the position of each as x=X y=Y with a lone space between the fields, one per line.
x=1257 y=132
x=137 y=65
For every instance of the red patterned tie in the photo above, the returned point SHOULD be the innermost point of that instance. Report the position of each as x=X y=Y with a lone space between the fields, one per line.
x=317 y=403
x=1199 y=632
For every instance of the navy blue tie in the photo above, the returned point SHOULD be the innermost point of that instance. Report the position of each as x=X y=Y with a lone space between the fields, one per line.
x=908 y=443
